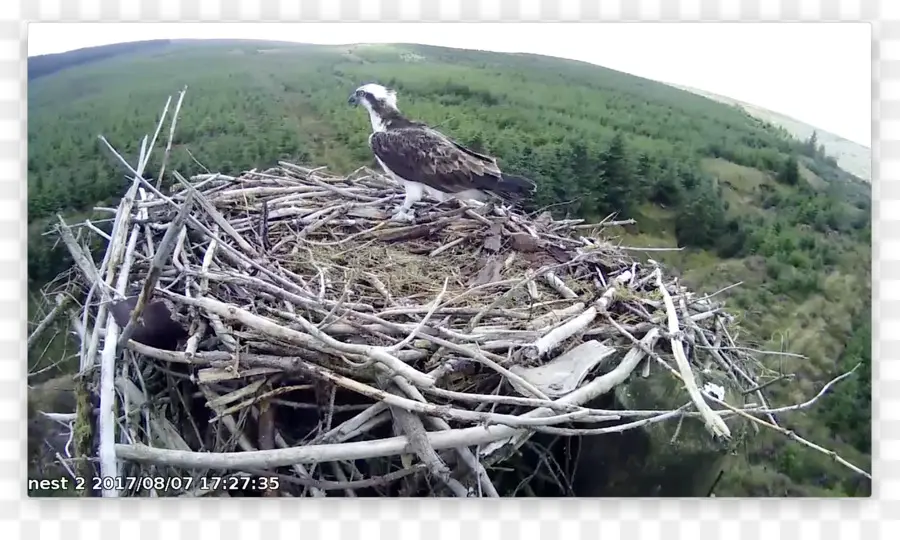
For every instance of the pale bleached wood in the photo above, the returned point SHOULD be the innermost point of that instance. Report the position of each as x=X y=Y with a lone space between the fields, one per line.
x=712 y=421
x=159 y=260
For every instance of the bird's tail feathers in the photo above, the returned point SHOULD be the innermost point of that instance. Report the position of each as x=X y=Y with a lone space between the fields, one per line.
x=515 y=187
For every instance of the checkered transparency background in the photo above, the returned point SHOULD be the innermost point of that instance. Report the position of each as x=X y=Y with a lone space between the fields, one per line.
x=512 y=519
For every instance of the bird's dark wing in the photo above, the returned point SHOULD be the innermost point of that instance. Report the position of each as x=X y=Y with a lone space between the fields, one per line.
x=426 y=156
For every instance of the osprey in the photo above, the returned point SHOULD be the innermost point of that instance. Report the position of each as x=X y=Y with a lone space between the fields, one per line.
x=423 y=160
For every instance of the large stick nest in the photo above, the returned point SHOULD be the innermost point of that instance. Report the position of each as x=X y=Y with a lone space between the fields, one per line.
x=339 y=352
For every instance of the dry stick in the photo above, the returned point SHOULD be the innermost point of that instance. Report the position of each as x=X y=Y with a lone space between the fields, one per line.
x=379 y=448
x=156 y=268
x=412 y=335
x=520 y=401
x=106 y=422
x=195 y=160
x=162 y=169
x=348 y=435
x=82 y=258
x=97 y=230
x=109 y=467
x=217 y=217
x=225 y=247
x=88 y=350
x=127 y=397
x=763 y=351
x=604 y=224
x=339 y=433
x=786 y=432
x=442 y=411
x=300 y=470
x=84 y=263
x=338 y=471
x=767 y=384
x=570 y=432
x=479 y=356
x=62 y=301
x=142 y=165
x=314 y=336
x=439 y=424
x=713 y=422
x=560 y=286
x=597 y=387
x=505 y=296
x=746 y=414
x=230 y=423
x=410 y=425
x=553 y=338
x=207 y=358
x=255 y=399
x=718 y=356
x=482 y=358
x=449 y=245
x=227 y=339
x=555 y=317
x=811 y=401
x=159 y=125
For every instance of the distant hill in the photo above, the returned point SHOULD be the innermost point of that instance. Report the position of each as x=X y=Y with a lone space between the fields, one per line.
x=852 y=157
x=46 y=64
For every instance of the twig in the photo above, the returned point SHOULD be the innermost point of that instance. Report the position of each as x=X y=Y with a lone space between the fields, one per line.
x=162 y=168
x=62 y=301
x=162 y=255
x=713 y=423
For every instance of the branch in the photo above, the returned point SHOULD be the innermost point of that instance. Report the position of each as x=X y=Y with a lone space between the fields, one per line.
x=156 y=267
x=713 y=422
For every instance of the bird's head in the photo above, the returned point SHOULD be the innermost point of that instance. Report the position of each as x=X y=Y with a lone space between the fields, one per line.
x=374 y=97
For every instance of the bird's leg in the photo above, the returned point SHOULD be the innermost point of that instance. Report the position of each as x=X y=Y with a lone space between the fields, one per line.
x=404 y=212
x=413 y=195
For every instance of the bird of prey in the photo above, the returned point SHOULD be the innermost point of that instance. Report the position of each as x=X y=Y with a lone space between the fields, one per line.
x=424 y=160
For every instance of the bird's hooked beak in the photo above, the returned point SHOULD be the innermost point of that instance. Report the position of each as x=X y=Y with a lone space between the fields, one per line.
x=353 y=101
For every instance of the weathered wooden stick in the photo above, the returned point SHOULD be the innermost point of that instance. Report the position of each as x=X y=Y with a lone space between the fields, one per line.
x=712 y=421
x=162 y=169
x=163 y=252
x=109 y=467
x=262 y=324
x=62 y=301
x=410 y=425
x=559 y=286
x=441 y=425
x=553 y=338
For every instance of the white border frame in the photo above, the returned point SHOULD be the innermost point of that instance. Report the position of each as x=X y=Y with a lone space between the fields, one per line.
x=426 y=518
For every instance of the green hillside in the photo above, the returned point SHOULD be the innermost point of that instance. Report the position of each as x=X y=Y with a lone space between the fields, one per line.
x=745 y=201
x=850 y=156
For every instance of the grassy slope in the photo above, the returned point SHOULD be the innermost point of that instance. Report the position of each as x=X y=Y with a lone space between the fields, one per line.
x=852 y=157
x=250 y=104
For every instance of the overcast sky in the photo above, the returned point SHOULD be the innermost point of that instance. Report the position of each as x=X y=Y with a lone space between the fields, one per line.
x=819 y=73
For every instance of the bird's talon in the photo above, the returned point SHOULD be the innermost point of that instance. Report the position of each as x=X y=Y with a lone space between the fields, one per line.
x=402 y=216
